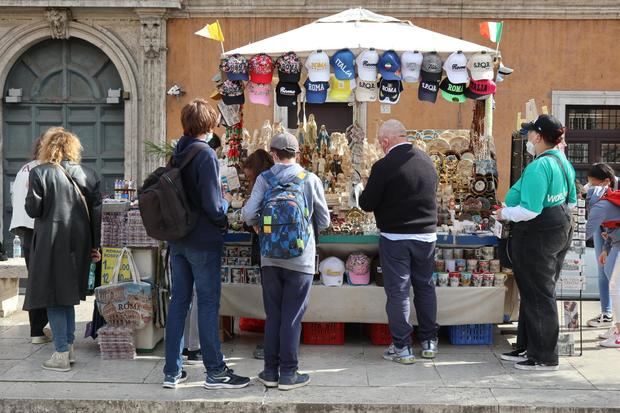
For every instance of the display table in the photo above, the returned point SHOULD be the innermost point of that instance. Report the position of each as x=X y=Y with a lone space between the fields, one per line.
x=366 y=304
x=10 y=273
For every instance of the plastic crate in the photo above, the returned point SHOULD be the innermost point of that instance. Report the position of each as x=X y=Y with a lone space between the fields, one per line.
x=323 y=333
x=253 y=325
x=379 y=334
x=471 y=334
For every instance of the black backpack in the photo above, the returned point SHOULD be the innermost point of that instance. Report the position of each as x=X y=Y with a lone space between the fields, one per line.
x=166 y=210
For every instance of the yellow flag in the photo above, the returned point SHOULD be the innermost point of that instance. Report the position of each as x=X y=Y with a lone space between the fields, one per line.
x=212 y=31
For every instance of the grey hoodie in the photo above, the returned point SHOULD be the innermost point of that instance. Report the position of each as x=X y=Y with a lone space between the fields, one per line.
x=599 y=212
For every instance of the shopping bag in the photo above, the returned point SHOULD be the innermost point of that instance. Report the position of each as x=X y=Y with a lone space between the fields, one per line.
x=128 y=304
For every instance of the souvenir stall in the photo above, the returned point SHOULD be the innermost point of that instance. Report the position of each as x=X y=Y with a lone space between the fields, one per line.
x=358 y=56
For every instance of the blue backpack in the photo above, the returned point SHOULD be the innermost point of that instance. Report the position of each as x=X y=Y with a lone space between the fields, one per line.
x=285 y=218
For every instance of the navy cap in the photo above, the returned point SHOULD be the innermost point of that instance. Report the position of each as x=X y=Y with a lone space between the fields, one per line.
x=389 y=66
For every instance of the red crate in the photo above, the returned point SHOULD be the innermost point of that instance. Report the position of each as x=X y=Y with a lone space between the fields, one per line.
x=251 y=325
x=380 y=334
x=323 y=333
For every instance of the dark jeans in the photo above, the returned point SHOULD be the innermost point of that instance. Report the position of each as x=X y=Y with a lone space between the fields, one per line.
x=407 y=264
x=538 y=248
x=38 y=317
x=285 y=296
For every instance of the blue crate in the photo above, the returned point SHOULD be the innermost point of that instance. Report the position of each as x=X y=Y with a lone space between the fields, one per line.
x=471 y=334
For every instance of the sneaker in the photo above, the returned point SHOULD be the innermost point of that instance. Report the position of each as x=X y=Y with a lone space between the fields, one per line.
x=608 y=333
x=612 y=342
x=226 y=379
x=536 y=366
x=429 y=349
x=40 y=340
x=71 y=354
x=516 y=356
x=259 y=352
x=603 y=320
x=170 y=382
x=270 y=380
x=295 y=381
x=58 y=362
x=193 y=357
x=402 y=356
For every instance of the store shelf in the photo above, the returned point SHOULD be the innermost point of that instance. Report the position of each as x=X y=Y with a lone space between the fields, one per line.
x=349 y=239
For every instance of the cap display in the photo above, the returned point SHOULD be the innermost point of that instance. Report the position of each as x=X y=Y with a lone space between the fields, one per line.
x=317 y=65
x=411 y=66
x=456 y=68
x=431 y=67
x=340 y=90
x=289 y=67
x=316 y=92
x=452 y=92
x=427 y=91
x=367 y=65
x=389 y=91
x=261 y=69
x=389 y=66
x=259 y=93
x=232 y=92
x=332 y=271
x=343 y=62
x=481 y=66
x=358 y=269
x=235 y=67
x=480 y=89
x=544 y=124
x=285 y=141
x=366 y=91
x=286 y=93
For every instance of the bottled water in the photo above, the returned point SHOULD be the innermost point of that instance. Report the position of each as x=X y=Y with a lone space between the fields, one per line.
x=17 y=247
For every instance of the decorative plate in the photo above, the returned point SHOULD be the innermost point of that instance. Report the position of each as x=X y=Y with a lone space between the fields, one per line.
x=459 y=144
x=438 y=144
x=468 y=156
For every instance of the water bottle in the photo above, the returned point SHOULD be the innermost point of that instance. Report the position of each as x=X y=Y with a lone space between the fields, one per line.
x=91 y=277
x=17 y=247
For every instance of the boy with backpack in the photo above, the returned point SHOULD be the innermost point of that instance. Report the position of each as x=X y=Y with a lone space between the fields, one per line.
x=287 y=206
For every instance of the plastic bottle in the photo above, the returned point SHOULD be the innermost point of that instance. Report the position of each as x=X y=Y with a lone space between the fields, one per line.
x=91 y=277
x=17 y=247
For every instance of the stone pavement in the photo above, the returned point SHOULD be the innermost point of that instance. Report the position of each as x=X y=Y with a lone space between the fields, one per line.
x=349 y=378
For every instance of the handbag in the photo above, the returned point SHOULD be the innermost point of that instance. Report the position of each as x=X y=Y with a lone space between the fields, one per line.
x=126 y=304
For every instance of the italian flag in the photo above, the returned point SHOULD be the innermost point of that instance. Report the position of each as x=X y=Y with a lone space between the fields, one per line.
x=492 y=30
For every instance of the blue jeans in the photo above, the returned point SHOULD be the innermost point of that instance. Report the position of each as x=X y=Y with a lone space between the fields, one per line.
x=604 y=272
x=62 y=322
x=193 y=266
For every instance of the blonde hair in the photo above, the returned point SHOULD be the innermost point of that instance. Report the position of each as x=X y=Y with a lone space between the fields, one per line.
x=60 y=145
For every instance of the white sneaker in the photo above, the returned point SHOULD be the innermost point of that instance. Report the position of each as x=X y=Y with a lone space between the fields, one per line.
x=40 y=340
x=398 y=355
x=608 y=333
x=71 y=354
x=611 y=342
x=603 y=320
x=58 y=362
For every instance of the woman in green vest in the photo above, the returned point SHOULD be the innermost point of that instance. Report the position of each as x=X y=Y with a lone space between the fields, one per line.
x=538 y=205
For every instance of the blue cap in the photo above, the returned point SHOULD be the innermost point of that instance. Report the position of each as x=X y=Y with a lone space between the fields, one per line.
x=343 y=63
x=389 y=66
x=316 y=92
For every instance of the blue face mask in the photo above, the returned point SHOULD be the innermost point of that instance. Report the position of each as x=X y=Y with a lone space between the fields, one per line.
x=209 y=137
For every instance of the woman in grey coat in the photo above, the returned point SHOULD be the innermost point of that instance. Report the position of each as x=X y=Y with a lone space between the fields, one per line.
x=64 y=199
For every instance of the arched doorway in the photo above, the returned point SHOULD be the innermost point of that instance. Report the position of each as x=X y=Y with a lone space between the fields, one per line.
x=63 y=83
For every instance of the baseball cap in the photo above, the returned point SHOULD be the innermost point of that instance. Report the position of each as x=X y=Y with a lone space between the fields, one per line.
x=259 y=93
x=412 y=65
x=316 y=92
x=431 y=67
x=389 y=91
x=286 y=93
x=261 y=68
x=547 y=124
x=366 y=90
x=340 y=90
x=456 y=68
x=289 y=67
x=452 y=92
x=343 y=62
x=284 y=141
x=389 y=66
x=480 y=66
x=235 y=67
x=232 y=92
x=367 y=65
x=332 y=271
x=480 y=89
x=427 y=91
x=358 y=269
x=317 y=65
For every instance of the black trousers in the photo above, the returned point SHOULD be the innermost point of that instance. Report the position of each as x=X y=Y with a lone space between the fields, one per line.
x=538 y=249
x=38 y=317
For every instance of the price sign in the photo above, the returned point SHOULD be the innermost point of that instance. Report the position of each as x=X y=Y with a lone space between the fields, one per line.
x=108 y=262
x=573 y=283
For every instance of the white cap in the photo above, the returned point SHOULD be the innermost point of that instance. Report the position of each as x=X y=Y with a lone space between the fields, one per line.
x=411 y=64
x=367 y=65
x=366 y=90
x=481 y=66
x=456 y=68
x=332 y=271
x=317 y=65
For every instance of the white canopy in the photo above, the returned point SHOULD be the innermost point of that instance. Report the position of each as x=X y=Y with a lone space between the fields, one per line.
x=358 y=29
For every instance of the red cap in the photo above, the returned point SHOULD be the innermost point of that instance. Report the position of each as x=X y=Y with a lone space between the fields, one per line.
x=261 y=69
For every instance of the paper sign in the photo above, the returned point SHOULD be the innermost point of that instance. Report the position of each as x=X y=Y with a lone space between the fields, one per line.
x=229 y=177
x=572 y=283
x=497 y=229
x=108 y=262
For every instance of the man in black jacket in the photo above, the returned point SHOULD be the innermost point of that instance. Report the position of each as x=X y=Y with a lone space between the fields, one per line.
x=401 y=192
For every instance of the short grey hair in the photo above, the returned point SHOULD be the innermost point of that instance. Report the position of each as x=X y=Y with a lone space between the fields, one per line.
x=391 y=129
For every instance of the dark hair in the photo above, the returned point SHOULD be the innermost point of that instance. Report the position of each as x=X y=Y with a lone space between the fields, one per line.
x=553 y=138
x=283 y=153
x=198 y=117
x=36 y=147
x=257 y=162
x=602 y=171
x=215 y=142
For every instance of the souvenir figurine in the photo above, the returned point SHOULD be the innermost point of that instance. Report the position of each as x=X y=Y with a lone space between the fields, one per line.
x=315 y=162
x=301 y=133
x=321 y=166
x=312 y=133
x=323 y=139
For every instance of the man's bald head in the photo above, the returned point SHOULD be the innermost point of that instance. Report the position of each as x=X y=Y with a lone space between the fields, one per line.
x=391 y=132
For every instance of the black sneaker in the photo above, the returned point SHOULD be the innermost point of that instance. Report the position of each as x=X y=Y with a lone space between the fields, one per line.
x=268 y=379
x=170 y=382
x=193 y=357
x=226 y=379
x=517 y=356
x=259 y=352
x=603 y=320
x=184 y=353
x=532 y=365
x=293 y=382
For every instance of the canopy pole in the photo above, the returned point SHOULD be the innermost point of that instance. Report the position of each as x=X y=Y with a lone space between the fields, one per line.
x=488 y=118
